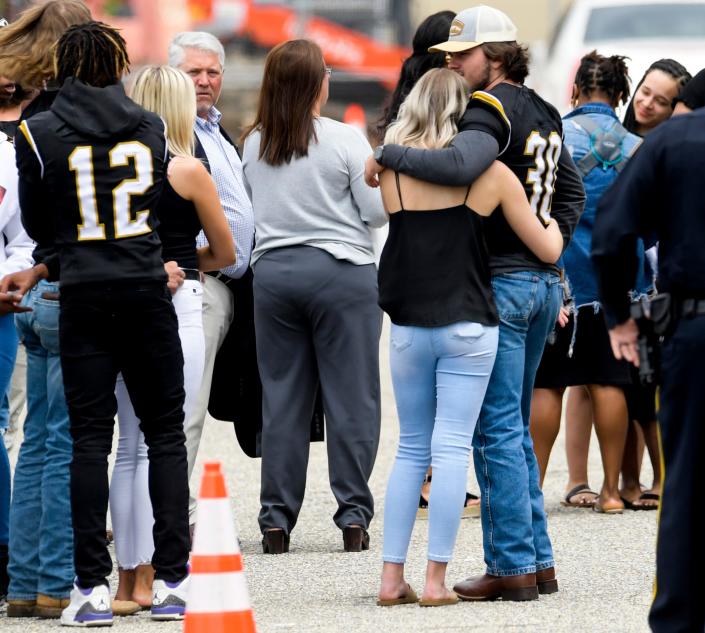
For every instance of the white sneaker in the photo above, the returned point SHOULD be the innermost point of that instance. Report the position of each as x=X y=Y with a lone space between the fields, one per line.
x=169 y=601
x=88 y=607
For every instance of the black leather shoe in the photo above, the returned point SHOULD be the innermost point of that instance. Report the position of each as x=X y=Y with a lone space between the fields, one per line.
x=275 y=542
x=355 y=539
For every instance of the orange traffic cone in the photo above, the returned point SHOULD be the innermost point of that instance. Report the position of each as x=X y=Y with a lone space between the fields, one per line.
x=218 y=601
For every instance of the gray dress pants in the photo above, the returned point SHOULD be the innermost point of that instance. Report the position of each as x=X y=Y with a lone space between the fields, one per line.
x=317 y=317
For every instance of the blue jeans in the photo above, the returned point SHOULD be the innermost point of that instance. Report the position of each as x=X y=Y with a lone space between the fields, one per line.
x=440 y=376
x=41 y=537
x=514 y=530
x=5 y=412
x=8 y=352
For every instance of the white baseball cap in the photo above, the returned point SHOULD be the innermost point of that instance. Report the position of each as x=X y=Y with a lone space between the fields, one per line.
x=476 y=26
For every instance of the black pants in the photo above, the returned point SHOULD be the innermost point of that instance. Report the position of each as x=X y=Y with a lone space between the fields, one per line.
x=680 y=555
x=130 y=328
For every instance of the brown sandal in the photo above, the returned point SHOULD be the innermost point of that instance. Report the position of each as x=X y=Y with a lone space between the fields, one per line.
x=409 y=597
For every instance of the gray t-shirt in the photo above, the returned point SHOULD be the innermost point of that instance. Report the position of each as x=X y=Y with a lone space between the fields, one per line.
x=319 y=200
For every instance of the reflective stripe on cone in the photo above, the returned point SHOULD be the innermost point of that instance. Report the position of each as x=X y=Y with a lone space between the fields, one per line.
x=218 y=600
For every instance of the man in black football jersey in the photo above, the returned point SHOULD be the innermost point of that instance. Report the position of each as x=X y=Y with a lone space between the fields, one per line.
x=506 y=121
x=90 y=174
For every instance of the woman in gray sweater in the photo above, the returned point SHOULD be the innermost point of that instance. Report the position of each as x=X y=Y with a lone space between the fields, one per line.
x=315 y=290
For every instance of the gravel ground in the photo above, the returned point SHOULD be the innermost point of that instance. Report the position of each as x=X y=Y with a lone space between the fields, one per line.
x=605 y=563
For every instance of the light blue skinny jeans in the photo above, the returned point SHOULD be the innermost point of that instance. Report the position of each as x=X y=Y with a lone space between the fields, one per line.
x=440 y=375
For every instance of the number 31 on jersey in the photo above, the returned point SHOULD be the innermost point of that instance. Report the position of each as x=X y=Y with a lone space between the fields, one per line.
x=543 y=175
x=81 y=162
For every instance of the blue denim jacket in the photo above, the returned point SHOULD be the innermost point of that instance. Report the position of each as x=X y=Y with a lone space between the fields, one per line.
x=576 y=259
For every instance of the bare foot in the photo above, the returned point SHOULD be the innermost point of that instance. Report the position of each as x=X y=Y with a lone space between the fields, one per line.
x=436 y=592
x=142 y=592
x=631 y=493
x=610 y=504
x=649 y=499
x=126 y=584
x=583 y=498
x=392 y=590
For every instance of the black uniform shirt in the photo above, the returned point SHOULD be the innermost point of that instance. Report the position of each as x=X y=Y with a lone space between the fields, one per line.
x=658 y=196
x=536 y=155
x=525 y=133
x=91 y=170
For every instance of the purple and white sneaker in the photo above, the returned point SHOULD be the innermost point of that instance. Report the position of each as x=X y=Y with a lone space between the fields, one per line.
x=88 y=607
x=169 y=601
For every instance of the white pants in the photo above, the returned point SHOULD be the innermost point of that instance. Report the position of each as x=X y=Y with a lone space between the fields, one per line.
x=130 y=505
x=218 y=311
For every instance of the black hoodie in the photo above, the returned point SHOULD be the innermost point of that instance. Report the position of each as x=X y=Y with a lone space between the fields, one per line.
x=91 y=170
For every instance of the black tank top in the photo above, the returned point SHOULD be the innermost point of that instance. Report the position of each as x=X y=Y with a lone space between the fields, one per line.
x=178 y=227
x=434 y=268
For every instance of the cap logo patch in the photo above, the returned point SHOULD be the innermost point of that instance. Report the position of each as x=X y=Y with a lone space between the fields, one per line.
x=456 y=28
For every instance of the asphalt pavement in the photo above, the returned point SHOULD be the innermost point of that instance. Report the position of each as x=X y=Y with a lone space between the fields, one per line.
x=605 y=563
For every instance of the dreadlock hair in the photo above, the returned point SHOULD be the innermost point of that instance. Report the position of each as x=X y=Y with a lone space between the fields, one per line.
x=670 y=67
x=432 y=30
x=608 y=75
x=93 y=52
x=27 y=44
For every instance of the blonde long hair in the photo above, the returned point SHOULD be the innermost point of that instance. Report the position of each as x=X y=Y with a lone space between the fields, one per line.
x=428 y=117
x=169 y=92
x=27 y=44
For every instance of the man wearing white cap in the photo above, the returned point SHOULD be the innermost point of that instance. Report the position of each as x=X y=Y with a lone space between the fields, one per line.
x=506 y=121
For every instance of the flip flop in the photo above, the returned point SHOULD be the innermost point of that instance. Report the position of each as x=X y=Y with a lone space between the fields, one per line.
x=601 y=510
x=470 y=510
x=440 y=602
x=579 y=489
x=647 y=496
x=628 y=505
x=409 y=597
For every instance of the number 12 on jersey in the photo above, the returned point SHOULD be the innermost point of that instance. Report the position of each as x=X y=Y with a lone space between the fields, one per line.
x=543 y=176
x=81 y=162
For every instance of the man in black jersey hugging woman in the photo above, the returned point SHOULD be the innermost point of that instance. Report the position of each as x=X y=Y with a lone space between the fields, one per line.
x=435 y=284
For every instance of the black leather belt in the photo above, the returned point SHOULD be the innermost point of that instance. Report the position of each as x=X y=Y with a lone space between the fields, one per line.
x=691 y=308
x=226 y=279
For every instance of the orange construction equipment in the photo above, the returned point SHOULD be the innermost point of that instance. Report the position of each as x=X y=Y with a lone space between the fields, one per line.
x=218 y=600
x=355 y=115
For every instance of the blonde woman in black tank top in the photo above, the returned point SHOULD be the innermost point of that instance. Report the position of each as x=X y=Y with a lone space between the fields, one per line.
x=434 y=283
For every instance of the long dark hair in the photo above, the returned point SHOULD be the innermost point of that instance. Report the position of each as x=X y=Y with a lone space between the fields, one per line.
x=432 y=30
x=293 y=76
x=609 y=75
x=670 y=67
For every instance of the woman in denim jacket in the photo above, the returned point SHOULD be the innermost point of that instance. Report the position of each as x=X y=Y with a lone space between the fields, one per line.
x=581 y=354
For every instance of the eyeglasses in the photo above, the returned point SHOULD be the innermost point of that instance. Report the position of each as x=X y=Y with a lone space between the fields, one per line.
x=328 y=70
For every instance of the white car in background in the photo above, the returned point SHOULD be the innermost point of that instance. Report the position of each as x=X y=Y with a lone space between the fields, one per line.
x=643 y=30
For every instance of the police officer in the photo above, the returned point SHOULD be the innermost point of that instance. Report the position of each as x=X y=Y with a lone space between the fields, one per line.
x=659 y=196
